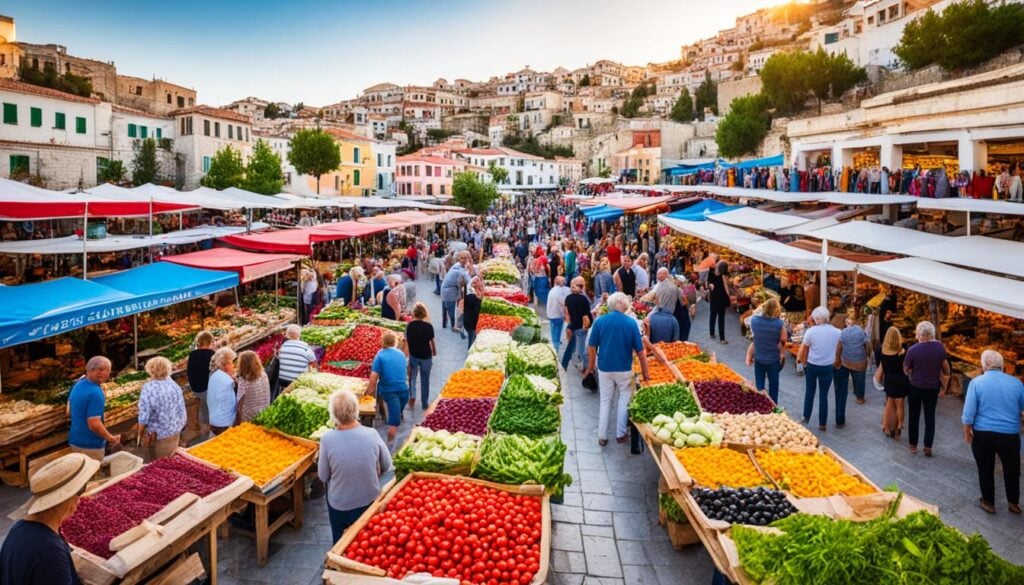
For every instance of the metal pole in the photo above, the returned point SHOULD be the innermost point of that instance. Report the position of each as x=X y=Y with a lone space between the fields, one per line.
x=150 y=249
x=238 y=305
x=85 y=240
x=968 y=222
x=823 y=285
x=135 y=331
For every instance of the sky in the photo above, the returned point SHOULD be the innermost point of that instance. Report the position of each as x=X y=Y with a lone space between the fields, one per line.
x=321 y=52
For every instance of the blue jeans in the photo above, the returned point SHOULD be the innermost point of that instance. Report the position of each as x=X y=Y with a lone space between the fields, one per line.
x=556 y=333
x=817 y=378
x=577 y=343
x=420 y=367
x=447 y=313
x=841 y=379
x=437 y=284
x=342 y=519
x=771 y=372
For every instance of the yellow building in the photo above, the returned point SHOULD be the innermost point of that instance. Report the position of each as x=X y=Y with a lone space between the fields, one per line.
x=357 y=175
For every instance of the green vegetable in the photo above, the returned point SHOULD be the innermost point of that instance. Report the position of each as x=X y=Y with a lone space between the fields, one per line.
x=666 y=399
x=524 y=410
x=264 y=302
x=533 y=359
x=521 y=387
x=919 y=548
x=670 y=506
x=326 y=384
x=436 y=451
x=494 y=306
x=130 y=377
x=326 y=336
x=292 y=417
x=515 y=459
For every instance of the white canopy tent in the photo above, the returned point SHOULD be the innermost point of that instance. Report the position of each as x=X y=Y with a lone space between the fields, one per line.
x=979 y=252
x=257 y=201
x=198 y=197
x=866 y=199
x=738 y=192
x=786 y=257
x=971 y=205
x=967 y=287
x=74 y=244
x=874 y=236
x=596 y=181
x=810 y=226
x=757 y=219
x=301 y=202
x=715 y=233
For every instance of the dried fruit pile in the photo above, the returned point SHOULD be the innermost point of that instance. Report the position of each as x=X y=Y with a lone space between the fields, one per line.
x=252 y=451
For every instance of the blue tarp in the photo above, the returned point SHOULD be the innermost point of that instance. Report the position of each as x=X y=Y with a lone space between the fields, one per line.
x=701 y=210
x=589 y=210
x=771 y=161
x=37 y=311
x=602 y=213
x=682 y=170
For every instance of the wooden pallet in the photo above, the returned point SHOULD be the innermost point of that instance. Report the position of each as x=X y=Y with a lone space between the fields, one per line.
x=261 y=502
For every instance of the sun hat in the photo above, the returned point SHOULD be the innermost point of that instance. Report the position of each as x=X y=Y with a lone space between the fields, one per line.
x=60 y=480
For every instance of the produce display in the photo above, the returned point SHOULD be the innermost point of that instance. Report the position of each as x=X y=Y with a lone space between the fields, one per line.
x=673 y=511
x=435 y=451
x=697 y=371
x=537 y=358
x=542 y=384
x=675 y=350
x=492 y=306
x=919 y=548
x=759 y=506
x=454 y=528
x=523 y=410
x=715 y=467
x=251 y=450
x=485 y=360
x=473 y=384
x=490 y=340
x=125 y=504
x=512 y=294
x=326 y=336
x=680 y=430
x=338 y=314
x=504 y=323
x=810 y=475
x=771 y=430
x=658 y=372
x=666 y=399
x=721 y=396
x=293 y=416
x=466 y=415
x=517 y=459
x=326 y=384
x=500 y=270
x=361 y=346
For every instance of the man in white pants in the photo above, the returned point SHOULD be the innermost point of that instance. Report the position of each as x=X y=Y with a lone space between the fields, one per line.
x=614 y=338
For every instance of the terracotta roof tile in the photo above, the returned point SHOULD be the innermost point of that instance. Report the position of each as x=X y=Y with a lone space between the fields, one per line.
x=17 y=86
x=213 y=113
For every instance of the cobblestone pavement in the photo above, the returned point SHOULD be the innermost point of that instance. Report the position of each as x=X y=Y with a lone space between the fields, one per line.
x=605 y=531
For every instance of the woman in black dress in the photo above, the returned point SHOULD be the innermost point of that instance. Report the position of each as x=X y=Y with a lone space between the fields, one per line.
x=890 y=373
x=720 y=301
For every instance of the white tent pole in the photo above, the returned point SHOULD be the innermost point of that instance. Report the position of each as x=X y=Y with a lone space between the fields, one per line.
x=85 y=240
x=968 y=222
x=135 y=334
x=823 y=285
x=150 y=249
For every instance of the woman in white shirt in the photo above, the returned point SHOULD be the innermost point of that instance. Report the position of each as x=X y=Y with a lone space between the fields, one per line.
x=818 y=353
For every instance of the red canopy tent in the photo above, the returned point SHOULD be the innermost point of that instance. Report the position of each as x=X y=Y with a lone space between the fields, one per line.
x=248 y=265
x=350 y=229
x=19 y=201
x=301 y=240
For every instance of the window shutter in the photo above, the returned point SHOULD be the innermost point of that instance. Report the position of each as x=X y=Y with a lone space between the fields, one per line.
x=132 y=130
x=80 y=125
x=60 y=121
x=37 y=117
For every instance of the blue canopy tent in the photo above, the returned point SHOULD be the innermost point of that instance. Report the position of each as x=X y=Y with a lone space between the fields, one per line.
x=683 y=170
x=602 y=213
x=700 y=211
x=770 y=161
x=163 y=283
x=40 y=310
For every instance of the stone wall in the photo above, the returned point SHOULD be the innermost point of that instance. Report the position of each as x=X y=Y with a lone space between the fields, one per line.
x=60 y=167
x=734 y=88
x=466 y=122
x=103 y=75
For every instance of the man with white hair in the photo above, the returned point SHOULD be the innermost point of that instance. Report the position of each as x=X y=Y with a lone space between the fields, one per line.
x=294 y=358
x=991 y=419
x=86 y=405
x=556 y=311
x=392 y=297
x=928 y=369
x=818 y=354
x=614 y=339
x=643 y=276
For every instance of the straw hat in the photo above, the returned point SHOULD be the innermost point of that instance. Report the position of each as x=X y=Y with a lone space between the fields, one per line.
x=60 y=480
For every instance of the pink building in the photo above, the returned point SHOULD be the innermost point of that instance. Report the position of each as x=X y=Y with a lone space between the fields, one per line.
x=428 y=175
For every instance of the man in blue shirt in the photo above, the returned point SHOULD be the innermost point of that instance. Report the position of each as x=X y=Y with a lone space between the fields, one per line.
x=991 y=420
x=613 y=339
x=662 y=326
x=454 y=283
x=388 y=379
x=86 y=404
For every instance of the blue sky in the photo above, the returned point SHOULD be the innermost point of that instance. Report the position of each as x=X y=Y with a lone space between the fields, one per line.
x=320 y=52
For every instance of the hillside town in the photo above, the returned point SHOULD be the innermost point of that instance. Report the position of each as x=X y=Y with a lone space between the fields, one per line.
x=780 y=266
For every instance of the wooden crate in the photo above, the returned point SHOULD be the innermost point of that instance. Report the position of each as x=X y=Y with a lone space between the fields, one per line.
x=155 y=543
x=337 y=561
x=843 y=463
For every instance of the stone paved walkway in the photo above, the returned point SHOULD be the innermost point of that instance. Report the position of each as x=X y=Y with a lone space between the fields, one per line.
x=606 y=532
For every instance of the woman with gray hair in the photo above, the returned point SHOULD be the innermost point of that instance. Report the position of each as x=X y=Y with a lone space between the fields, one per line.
x=991 y=421
x=352 y=460
x=818 y=353
x=220 y=393
x=928 y=370
x=161 y=410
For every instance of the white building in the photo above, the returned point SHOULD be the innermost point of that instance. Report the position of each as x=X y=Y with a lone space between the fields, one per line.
x=384 y=150
x=250 y=107
x=129 y=128
x=525 y=171
x=201 y=132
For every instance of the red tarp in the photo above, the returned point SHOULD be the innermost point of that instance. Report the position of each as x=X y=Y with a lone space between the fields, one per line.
x=350 y=229
x=19 y=201
x=300 y=240
x=248 y=265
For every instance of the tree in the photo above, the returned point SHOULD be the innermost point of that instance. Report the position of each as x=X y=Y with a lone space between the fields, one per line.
x=48 y=77
x=682 y=110
x=272 y=111
x=585 y=80
x=144 y=165
x=706 y=97
x=314 y=152
x=298 y=108
x=469 y=192
x=498 y=174
x=263 y=174
x=744 y=127
x=964 y=34
x=784 y=81
x=226 y=170
x=112 y=171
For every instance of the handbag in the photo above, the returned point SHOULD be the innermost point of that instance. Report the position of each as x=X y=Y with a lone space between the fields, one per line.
x=273 y=371
x=590 y=382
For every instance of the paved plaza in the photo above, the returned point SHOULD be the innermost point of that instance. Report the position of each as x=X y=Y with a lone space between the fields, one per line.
x=605 y=532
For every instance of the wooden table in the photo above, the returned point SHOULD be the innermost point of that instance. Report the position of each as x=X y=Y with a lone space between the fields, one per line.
x=261 y=504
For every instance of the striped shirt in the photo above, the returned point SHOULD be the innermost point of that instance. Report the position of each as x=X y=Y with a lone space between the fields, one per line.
x=294 y=359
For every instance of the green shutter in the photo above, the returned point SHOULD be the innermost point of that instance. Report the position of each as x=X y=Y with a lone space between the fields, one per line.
x=36 y=115
x=59 y=121
x=132 y=130
x=355 y=177
x=19 y=162
x=159 y=133
x=143 y=131
x=80 y=125
x=355 y=155
x=10 y=114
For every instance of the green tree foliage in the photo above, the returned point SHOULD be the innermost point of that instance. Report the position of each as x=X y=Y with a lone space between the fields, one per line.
x=272 y=111
x=631 y=108
x=790 y=78
x=314 y=152
x=48 y=77
x=744 y=127
x=585 y=80
x=439 y=134
x=682 y=110
x=964 y=34
x=263 y=174
x=706 y=97
x=144 y=164
x=226 y=170
x=112 y=172
x=469 y=192
x=530 y=145
x=498 y=174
